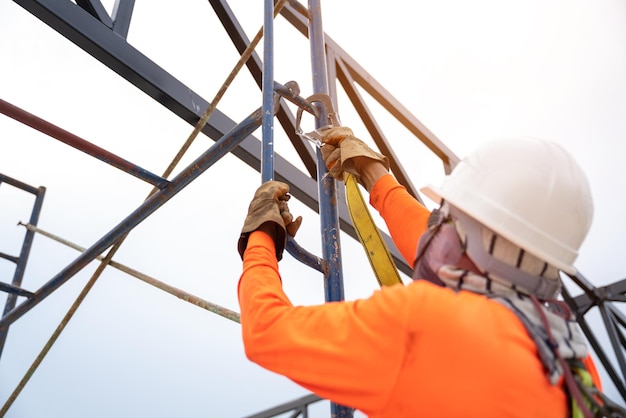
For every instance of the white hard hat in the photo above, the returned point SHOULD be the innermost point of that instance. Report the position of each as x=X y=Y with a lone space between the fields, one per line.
x=528 y=190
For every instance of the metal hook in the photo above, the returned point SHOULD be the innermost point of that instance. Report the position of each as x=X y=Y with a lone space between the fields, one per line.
x=331 y=116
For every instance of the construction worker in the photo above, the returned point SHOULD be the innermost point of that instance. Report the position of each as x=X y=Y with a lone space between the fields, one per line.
x=478 y=332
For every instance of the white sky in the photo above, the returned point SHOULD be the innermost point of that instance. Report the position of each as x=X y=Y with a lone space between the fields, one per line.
x=469 y=71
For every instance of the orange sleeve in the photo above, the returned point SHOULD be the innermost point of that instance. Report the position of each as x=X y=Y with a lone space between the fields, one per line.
x=406 y=217
x=308 y=343
x=593 y=371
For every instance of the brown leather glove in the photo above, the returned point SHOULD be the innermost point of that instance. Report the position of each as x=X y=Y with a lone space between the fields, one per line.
x=340 y=146
x=270 y=205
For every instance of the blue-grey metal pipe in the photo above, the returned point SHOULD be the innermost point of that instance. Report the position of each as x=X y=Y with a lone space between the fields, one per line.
x=291 y=91
x=327 y=187
x=267 y=85
x=224 y=145
x=267 y=145
x=304 y=256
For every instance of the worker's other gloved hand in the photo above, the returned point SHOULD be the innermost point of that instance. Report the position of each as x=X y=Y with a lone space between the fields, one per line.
x=270 y=205
x=339 y=149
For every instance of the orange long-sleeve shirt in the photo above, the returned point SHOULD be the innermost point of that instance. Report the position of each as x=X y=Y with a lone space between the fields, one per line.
x=407 y=351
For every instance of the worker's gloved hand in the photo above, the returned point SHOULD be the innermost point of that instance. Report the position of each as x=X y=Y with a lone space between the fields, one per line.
x=341 y=147
x=270 y=205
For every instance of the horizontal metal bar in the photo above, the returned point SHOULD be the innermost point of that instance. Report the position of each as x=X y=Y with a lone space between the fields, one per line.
x=20 y=185
x=80 y=144
x=8 y=257
x=291 y=91
x=14 y=290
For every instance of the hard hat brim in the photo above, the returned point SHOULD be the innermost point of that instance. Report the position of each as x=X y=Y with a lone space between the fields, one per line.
x=432 y=193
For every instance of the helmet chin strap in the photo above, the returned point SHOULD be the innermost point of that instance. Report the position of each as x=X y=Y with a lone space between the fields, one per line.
x=490 y=266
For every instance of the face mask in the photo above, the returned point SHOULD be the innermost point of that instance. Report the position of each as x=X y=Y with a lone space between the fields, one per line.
x=440 y=246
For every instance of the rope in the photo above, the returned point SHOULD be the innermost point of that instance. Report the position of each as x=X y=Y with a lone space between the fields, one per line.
x=181 y=294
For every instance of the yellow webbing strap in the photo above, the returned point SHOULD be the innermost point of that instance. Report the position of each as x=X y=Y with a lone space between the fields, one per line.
x=377 y=253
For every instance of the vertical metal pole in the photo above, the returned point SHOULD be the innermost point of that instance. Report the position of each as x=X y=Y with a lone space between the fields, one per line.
x=327 y=187
x=267 y=127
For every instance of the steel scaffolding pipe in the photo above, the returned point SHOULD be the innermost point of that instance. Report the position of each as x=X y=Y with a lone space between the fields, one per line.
x=79 y=143
x=15 y=288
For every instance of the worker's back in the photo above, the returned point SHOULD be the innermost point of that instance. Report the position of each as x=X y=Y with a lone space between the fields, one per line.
x=473 y=357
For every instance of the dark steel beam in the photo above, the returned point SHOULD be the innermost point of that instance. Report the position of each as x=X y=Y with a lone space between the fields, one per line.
x=348 y=72
x=580 y=306
x=297 y=14
x=97 y=10
x=613 y=292
x=373 y=128
x=122 y=13
x=114 y=52
x=394 y=107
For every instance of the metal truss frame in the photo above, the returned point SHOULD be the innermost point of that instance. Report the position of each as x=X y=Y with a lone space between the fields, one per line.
x=87 y=24
x=14 y=289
